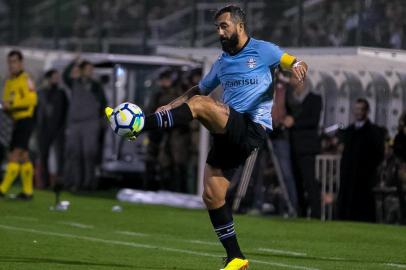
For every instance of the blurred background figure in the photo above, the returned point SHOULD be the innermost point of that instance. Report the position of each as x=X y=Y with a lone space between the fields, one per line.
x=400 y=139
x=363 y=151
x=168 y=151
x=399 y=148
x=19 y=100
x=163 y=95
x=302 y=119
x=84 y=122
x=50 y=129
x=280 y=138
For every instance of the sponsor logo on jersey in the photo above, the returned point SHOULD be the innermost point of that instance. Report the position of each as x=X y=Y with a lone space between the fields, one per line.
x=251 y=62
x=239 y=83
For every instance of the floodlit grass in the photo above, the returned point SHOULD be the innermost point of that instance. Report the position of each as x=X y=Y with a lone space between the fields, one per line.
x=91 y=236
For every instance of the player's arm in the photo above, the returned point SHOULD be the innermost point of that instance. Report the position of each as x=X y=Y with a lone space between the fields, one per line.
x=181 y=99
x=209 y=82
x=6 y=100
x=67 y=74
x=296 y=66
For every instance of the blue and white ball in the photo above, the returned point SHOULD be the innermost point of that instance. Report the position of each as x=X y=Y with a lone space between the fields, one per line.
x=127 y=119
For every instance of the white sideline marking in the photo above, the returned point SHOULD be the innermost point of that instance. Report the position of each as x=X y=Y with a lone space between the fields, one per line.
x=137 y=245
x=22 y=218
x=199 y=242
x=330 y=258
x=299 y=254
x=77 y=225
x=403 y=266
x=132 y=233
x=281 y=251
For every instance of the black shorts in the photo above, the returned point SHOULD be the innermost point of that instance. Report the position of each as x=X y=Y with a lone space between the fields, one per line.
x=21 y=133
x=230 y=150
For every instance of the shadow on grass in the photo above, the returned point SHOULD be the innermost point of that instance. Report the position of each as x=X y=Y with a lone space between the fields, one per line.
x=13 y=259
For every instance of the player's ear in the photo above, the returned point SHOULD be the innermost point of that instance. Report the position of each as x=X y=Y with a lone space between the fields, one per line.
x=241 y=27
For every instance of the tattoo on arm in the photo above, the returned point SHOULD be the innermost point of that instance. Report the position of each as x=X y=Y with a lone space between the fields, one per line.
x=185 y=97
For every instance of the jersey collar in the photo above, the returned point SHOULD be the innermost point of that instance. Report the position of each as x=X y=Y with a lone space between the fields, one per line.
x=17 y=75
x=242 y=48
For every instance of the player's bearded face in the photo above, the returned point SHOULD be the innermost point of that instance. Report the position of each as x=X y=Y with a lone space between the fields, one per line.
x=229 y=44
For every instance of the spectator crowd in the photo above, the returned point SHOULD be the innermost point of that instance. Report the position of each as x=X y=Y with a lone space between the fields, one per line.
x=374 y=23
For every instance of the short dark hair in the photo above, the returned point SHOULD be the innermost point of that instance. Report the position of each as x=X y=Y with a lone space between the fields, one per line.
x=166 y=74
x=17 y=53
x=50 y=72
x=364 y=101
x=237 y=14
x=84 y=63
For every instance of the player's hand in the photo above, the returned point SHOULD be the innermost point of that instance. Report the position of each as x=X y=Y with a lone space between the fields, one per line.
x=166 y=107
x=6 y=105
x=299 y=70
x=288 y=121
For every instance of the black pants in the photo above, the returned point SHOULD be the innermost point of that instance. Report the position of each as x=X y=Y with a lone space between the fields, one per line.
x=307 y=187
x=46 y=140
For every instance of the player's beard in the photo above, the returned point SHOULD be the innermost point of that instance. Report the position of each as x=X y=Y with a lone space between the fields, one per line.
x=229 y=45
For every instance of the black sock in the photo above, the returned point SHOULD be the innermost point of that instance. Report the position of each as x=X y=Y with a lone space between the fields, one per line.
x=179 y=116
x=223 y=225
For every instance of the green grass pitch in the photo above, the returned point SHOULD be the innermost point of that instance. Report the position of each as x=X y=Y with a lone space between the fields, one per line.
x=91 y=236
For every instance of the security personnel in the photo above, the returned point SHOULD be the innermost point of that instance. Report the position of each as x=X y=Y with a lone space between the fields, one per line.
x=19 y=101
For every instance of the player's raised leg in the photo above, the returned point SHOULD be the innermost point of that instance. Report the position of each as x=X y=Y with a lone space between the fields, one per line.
x=211 y=113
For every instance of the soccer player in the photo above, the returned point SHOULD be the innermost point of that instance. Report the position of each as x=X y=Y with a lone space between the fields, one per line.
x=238 y=124
x=19 y=100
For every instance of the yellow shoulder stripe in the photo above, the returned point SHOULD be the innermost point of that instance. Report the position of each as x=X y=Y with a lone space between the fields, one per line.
x=287 y=61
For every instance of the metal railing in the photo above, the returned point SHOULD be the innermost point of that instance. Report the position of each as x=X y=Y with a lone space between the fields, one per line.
x=328 y=173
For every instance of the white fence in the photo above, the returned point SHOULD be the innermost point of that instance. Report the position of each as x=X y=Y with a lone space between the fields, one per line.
x=328 y=173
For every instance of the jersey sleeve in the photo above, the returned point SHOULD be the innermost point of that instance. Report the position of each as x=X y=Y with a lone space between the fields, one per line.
x=272 y=54
x=210 y=81
x=6 y=92
x=27 y=95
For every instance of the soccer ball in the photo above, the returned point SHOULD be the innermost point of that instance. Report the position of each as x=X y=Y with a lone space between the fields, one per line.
x=127 y=119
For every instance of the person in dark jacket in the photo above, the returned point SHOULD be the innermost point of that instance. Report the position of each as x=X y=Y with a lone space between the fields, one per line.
x=51 y=116
x=399 y=148
x=87 y=102
x=362 y=153
x=302 y=119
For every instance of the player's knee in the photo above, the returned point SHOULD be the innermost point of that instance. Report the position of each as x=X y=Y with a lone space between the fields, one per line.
x=207 y=198
x=200 y=104
x=211 y=201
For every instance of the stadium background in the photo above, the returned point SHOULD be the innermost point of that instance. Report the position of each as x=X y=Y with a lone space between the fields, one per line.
x=138 y=26
x=132 y=43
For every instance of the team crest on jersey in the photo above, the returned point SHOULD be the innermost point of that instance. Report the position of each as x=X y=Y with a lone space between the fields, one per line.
x=251 y=62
